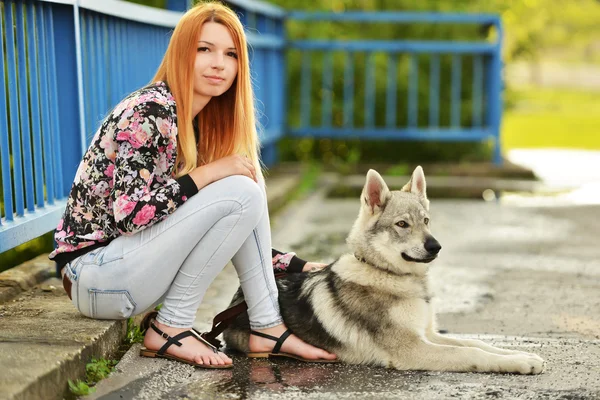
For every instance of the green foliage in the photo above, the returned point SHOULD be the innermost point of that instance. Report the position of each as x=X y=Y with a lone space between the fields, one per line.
x=552 y=118
x=26 y=251
x=80 y=388
x=151 y=3
x=309 y=177
x=398 y=170
x=98 y=369
x=134 y=334
x=344 y=155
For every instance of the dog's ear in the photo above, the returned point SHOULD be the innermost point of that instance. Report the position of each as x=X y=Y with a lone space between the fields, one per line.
x=417 y=185
x=375 y=193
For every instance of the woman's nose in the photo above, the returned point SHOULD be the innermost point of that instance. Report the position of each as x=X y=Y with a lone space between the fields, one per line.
x=218 y=62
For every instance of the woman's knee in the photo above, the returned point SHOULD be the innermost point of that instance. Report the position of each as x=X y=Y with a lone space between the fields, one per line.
x=248 y=192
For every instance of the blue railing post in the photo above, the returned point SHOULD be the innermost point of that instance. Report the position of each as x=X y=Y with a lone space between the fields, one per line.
x=179 y=5
x=24 y=108
x=13 y=106
x=68 y=117
x=494 y=92
x=4 y=143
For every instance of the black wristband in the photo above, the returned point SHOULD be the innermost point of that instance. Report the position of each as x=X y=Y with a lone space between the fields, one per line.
x=188 y=186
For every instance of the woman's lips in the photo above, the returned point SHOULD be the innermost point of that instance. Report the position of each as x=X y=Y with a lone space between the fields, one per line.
x=214 y=79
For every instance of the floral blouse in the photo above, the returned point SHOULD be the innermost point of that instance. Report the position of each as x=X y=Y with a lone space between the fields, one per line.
x=125 y=181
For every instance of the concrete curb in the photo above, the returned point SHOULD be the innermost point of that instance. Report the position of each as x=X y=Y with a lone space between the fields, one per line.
x=24 y=277
x=44 y=341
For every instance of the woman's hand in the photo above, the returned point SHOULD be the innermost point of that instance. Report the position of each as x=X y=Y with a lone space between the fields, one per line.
x=222 y=168
x=312 y=266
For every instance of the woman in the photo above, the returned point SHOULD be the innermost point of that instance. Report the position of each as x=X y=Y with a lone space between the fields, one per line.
x=169 y=191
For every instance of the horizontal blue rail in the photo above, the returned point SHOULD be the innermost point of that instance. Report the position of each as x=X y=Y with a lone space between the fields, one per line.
x=397 y=46
x=396 y=17
x=440 y=134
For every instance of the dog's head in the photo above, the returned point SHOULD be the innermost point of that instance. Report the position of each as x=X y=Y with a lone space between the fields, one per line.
x=392 y=230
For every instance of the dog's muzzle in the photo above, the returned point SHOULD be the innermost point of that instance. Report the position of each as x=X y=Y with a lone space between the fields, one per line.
x=432 y=247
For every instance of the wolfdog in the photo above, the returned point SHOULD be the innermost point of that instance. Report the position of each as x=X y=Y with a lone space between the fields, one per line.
x=373 y=305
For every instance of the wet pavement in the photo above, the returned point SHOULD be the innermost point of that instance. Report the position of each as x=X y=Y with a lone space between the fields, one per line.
x=521 y=277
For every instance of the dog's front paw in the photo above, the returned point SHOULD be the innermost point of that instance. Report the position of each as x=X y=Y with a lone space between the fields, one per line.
x=534 y=356
x=526 y=364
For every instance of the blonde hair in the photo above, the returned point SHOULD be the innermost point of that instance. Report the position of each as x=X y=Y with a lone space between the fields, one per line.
x=227 y=124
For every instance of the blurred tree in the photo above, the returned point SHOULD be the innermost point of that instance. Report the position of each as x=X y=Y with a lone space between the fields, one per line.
x=150 y=3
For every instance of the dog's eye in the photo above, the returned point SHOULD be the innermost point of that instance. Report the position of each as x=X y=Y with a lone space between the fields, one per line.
x=402 y=224
x=426 y=221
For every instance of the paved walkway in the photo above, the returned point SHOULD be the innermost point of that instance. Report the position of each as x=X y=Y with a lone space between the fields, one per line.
x=517 y=277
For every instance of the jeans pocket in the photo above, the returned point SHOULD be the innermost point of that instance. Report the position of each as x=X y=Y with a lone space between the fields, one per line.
x=110 y=304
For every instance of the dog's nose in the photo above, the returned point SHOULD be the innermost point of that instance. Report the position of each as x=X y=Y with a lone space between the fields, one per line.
x=432 y=245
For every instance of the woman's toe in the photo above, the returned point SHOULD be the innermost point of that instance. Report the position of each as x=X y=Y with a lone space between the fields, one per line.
x=225 y=358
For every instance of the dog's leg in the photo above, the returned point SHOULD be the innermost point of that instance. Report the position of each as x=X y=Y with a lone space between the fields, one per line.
x=428 y=356
x=434 y=337
x=444 y=340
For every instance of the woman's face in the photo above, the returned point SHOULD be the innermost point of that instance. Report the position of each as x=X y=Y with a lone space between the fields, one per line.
x=216 y=64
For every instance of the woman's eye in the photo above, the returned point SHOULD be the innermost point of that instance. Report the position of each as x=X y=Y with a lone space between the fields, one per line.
x=202 y=49
x=232 y=54
x=402 y=224
x=426 y=221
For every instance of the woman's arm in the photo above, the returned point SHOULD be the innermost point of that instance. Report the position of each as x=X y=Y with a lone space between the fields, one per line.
x=143 y=192
x=287 y=262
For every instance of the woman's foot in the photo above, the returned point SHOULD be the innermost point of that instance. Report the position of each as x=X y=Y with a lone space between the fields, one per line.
x=192 y=349
x=292 y=345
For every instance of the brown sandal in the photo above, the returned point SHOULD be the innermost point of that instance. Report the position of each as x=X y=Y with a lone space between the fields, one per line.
x=175 y=340
x=276 y=353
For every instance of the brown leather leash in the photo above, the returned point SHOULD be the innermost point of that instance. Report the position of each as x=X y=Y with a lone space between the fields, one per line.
x=223 y=319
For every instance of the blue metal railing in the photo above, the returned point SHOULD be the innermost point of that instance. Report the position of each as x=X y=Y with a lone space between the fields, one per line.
x=66 y=63
x=485 y=96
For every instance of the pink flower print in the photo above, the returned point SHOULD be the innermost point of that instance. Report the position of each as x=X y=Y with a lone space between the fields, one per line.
x=96 y=235
x=139 y=135
x=124 y=121
x=109 y=171
x=162 y=165
x=123 y=207
x=282 y=261
x=164 y=126
x=145 y=215
x=123 y=135
x=60 y=224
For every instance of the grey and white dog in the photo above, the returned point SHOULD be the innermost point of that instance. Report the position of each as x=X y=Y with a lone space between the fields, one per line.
x=372 y=305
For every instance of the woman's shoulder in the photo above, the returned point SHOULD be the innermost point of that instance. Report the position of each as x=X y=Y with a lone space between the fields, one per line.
x=155 y=98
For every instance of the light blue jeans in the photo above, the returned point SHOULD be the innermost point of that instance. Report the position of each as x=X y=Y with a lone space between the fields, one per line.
x=174 y=261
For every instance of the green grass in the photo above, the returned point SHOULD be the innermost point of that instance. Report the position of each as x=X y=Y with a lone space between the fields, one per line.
x=552 y=118
x=96 y=370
